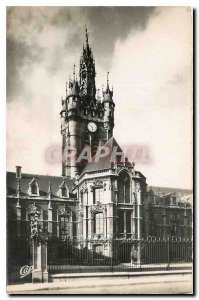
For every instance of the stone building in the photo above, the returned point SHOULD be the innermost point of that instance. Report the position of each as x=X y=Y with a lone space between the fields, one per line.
x=98 y=200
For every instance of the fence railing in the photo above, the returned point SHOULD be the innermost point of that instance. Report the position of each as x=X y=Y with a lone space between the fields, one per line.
x=74 y=256
x=113 y=255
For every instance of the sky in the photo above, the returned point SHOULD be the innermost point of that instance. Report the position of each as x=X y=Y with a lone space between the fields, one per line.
x=148 y=53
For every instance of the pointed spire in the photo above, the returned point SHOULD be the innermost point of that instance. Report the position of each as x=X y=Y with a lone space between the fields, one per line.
x=66 y=88
x=86 y=35
x=74 y=72
x=107 y=88
x=107 y=94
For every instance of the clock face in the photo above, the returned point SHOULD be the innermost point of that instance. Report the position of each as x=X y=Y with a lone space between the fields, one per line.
x=92 y=127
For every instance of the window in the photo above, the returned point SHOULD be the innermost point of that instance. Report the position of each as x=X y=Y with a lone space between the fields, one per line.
x=33 y=188
x=121 y=221
x=97 y=195
x=128 y=222
x=174 y=200
x=124 y=221
x=64 y=226
x=98 y=223
x=81 y=197
x=63 y=190
x=124 y=188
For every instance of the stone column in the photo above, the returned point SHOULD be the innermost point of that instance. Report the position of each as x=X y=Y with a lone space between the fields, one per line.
x=39 y=252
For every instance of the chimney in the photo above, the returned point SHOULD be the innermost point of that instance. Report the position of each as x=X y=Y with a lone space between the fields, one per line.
x=18 y=172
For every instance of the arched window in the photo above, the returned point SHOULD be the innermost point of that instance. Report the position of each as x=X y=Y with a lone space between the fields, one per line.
x=124 y=188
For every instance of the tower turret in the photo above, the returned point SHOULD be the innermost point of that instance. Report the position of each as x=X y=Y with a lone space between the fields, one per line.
x=109 y=109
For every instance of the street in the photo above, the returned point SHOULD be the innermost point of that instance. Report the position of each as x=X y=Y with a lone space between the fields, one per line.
x=163 y=284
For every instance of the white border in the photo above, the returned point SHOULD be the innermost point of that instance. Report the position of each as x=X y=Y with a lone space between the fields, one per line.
x=193 y=3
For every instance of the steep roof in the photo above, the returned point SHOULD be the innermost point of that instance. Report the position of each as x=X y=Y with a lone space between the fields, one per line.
x=104 y=163
x=166 y=190
x=43 y=183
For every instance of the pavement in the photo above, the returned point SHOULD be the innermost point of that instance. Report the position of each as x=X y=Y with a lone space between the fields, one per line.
x=164 y=282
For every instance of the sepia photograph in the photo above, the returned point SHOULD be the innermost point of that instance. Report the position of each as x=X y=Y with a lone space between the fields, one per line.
x=99 y=150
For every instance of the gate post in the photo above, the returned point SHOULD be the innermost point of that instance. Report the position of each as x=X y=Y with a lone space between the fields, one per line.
x=39 y=248
x=40 y=273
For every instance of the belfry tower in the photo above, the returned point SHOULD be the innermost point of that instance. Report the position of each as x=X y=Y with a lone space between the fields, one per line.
x=86 y=120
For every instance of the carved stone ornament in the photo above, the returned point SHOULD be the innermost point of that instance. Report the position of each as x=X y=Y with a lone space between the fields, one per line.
x=138 y=187
x=64 y=212
x=98 y=237
x=96 y=184
x=110 y=186
x=97 y=207
x=34 y=211
x=81 y=211
x=84 y=188
x=37 y=233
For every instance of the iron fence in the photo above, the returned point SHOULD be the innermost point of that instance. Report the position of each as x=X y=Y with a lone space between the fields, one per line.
x=18 y=255
x=73 y=256
x=98 y=255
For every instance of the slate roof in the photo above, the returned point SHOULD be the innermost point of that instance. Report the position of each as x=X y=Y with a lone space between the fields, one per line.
x=104 y=163
x=43 y=183
x=168 y=190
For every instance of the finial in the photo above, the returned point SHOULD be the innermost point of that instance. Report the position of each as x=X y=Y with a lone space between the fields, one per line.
x=107 y=81
x=107 y=77
x=74 y=72
x=98 y=94
x=86 y=34
x=133 y=163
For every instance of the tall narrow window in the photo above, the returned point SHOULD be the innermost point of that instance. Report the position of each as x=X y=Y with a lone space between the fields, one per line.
x=124 y=188
x=121 y=221
x=34 y=188
x=97 y=195
x=81 y=197
x=128 y=222
x=98 y=223
x=124 y=221
x=64 y=226
x=174 y=200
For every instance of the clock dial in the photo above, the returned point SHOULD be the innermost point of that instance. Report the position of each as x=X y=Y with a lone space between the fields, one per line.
x=92 y=127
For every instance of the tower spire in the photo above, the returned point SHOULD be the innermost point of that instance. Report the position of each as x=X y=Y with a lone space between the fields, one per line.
x=74 y=72
x=86 y=34
x=107 y=81
x=87 y=72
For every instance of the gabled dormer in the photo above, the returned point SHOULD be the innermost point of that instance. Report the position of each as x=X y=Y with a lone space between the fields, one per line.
x=33 y=189
x=63 y=190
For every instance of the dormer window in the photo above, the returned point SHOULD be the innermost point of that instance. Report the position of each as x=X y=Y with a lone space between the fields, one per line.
x=174 y=200
x=63 y=190
x=33 y=188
